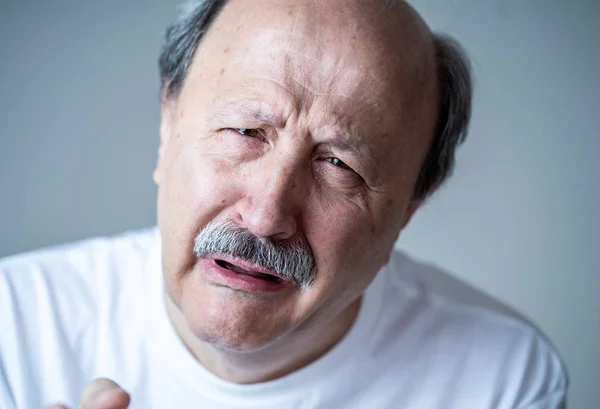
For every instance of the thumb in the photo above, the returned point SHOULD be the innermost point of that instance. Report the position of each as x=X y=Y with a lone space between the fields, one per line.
x=103 y=394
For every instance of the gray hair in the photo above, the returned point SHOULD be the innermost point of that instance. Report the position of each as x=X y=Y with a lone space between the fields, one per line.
x=291 y=259
x=454 y=113
x=453 y=75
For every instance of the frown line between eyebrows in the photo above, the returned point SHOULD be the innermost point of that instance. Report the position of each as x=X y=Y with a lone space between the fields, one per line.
x=253 y=114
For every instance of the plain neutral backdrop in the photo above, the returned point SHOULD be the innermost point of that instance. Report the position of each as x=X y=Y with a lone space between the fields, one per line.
x=79 y=117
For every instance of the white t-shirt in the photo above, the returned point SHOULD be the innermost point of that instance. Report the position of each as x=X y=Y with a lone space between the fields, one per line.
x=422 y=340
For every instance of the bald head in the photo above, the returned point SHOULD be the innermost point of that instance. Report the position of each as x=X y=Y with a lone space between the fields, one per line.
x=321 y=122
x=402 y=51
x=389 y=30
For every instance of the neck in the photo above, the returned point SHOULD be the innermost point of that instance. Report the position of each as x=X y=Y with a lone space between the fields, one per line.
x=275 y=361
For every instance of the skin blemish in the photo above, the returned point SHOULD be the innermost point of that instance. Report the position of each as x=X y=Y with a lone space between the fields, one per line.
x=226 y=49
x=222 y=71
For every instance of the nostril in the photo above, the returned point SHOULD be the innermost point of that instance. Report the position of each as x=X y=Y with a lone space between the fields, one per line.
x=267 y=216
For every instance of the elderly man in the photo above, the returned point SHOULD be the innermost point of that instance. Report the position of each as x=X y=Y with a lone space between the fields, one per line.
x=298 y=138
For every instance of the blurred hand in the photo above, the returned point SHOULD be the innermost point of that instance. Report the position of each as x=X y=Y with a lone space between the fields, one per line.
x=100 y=394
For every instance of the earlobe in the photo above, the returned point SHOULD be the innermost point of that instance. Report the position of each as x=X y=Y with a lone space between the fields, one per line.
x=411 y=208
x=410 y=211
x=156 y=174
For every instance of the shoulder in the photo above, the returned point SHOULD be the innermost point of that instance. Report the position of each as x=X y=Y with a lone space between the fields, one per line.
x=80 y=256
x=74 y=271
x=52 y=302
x=73 y=264
x=71 y=279
x=467 y=332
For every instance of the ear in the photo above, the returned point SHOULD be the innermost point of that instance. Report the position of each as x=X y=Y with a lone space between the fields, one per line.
x=410 y=211
x=167 y=113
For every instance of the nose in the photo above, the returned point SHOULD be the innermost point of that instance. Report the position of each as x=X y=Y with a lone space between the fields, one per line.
x=275 y=196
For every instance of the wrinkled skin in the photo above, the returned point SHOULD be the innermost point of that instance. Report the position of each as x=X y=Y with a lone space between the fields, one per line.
x=341 y=104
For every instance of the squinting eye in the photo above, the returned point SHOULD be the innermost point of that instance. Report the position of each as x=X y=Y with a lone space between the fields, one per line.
x=253 y=133
x=337 y=162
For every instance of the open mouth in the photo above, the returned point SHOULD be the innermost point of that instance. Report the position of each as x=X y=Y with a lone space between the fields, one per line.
x=255 y=274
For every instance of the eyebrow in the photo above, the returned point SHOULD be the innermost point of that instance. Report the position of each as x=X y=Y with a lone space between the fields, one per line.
x=251 y=112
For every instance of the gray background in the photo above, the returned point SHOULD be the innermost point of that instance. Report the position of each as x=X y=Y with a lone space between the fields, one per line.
x=79 y=123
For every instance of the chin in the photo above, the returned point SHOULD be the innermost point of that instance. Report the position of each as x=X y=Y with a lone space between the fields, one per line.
x=224 y=340
x=234 y=321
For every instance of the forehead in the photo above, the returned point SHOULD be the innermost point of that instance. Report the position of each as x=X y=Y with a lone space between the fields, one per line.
x=297 y=56
x=327 y=47
x=302 y=60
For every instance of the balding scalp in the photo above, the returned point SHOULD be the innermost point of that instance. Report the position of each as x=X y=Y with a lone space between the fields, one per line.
x=451 y=66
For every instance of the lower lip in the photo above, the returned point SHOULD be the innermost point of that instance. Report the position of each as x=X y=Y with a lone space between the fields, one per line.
x=239 y=281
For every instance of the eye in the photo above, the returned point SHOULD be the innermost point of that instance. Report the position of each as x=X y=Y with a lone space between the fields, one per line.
x=338 y=162
x=253 y=133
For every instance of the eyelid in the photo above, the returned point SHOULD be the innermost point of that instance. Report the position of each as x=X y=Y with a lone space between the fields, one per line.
x=260 y=133
x=338 y=177
x=345 y=165
x=348 y=170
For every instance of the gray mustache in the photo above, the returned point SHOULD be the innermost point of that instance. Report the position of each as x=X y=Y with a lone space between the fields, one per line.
x=291 y=259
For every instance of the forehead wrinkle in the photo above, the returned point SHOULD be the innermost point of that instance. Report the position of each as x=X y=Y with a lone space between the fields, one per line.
x=322 y=77
x=341 y=86
x=301 y=73
x=307 y=65
x=252 y=109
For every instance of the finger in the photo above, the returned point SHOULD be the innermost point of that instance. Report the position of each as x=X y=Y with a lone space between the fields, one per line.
x=56 y=407
x=103 y=394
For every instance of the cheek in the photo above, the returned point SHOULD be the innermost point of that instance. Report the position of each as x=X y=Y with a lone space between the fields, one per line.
x=194 y=190
x=339 y=236
x=351 y=243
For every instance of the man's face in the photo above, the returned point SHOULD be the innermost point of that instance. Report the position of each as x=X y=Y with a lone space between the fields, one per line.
x=292 y=127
